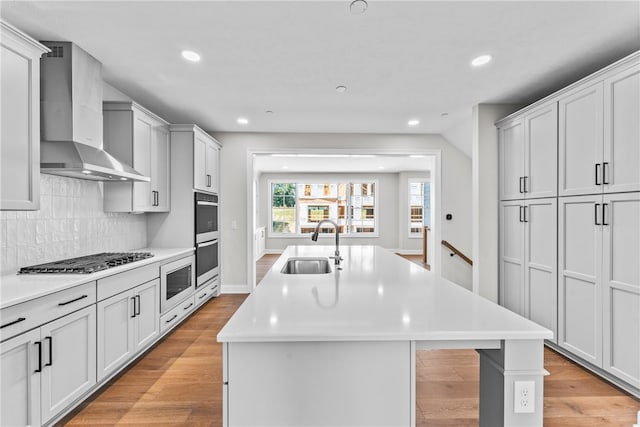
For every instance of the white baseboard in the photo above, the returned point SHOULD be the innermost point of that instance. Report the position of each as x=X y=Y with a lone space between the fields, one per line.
x=273 y=251
x=407 y=251
x=234 y=289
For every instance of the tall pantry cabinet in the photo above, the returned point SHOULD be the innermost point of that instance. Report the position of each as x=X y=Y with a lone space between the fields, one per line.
x=598 y=221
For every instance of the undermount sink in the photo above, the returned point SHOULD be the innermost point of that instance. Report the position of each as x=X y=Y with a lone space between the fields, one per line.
x=306 y=266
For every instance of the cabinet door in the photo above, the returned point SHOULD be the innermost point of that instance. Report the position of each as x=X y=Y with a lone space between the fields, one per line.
x=200 y=180
x=142 y=137
x=579 y=276
x=622 y=131
x=512 y=256
x=115 y=333
x=147 y=320
x=160 y=169
x=69 y=359
x=580 y=142
x=621 y=286
x=213 y=166
x=511 y=156
x=20 y=403
x=541 y=152
x=541 y=279
x=20 y=130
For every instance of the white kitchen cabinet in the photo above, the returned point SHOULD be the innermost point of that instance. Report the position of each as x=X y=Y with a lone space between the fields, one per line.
x=20 y=118
x=205 y=159
x=20 y=403
x=621 y=286
x=528 y=279
x=69 y=360
x=141 y=139
x=127 y=323
x=528 y=148
x=621 y=155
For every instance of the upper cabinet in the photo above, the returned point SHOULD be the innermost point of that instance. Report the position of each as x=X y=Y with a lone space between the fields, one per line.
x=140 y=138
x=599 y=136
x=528 y=145
x=20 y=118
x=206 y=156
x=205 y=161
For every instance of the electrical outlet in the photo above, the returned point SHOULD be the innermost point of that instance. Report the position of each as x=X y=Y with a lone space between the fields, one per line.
x=524 y=397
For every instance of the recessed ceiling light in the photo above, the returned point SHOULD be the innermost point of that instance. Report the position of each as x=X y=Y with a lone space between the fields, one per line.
x=413 y=122
x=242 y=121
x=380 y=167
x=358 y=7
x=268 y=112
x=341 y=89
x=86 y=172
x=123 y=178
x=285 y=167
x=481 y=60
x=445 y=114
x=190 y=55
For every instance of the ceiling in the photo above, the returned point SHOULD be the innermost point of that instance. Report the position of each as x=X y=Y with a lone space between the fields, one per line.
x=398 y=60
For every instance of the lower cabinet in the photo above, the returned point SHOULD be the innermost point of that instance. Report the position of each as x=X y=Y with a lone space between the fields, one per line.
x=127 y=323
x=46 y=369
x=176 y=314
x=528 y=280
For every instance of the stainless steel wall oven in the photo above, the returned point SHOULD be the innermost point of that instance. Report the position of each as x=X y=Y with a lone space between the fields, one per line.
x=206 y=238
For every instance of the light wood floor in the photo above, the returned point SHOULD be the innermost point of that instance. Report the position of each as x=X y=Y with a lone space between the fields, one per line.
x=179 y=382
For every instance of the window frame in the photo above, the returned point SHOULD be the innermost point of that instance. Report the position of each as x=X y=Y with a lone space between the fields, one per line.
x=414 y=234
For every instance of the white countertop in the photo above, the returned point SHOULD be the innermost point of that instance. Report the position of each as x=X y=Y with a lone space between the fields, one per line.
x=377 y=295
x=17 y=288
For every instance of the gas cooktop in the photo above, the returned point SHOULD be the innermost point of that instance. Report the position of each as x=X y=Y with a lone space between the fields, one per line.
x=86 y=264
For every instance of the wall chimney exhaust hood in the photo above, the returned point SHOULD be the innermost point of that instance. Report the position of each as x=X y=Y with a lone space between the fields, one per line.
x=71 y=118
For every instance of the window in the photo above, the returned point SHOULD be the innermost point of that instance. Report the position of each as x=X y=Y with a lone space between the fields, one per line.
x=297 y=208
x=419 y=206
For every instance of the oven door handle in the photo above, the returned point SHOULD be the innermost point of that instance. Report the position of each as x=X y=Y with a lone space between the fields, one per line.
x=202 y=202
x=205 y=244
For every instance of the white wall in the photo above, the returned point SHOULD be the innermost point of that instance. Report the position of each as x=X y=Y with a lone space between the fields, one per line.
x=485 y=197
x=456 y=184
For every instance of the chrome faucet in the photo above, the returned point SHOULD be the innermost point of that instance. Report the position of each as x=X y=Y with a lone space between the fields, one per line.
x=314 y=237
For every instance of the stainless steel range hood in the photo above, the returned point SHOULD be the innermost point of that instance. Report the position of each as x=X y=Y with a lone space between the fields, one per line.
x=71 y=118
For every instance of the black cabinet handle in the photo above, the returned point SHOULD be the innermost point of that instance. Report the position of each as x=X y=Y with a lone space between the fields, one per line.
x=18 y=320
x=524 y=187
x=50 y=351
x=604 y=210
x=520 y=185
x=521 y=220
x=605 y=174
x=184 y=308
x=525 y=213
x=172 y=319
x=595 y=213
x=134 y=307
x=73 y=300
x=39 y=344
x=202 y=296
x=597 y=173
x=137 y=310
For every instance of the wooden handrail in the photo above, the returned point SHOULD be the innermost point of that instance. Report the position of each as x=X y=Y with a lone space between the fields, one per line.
x=425 y=244
x=457 y=252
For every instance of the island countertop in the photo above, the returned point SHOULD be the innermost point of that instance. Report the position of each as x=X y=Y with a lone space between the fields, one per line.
x=376 y=296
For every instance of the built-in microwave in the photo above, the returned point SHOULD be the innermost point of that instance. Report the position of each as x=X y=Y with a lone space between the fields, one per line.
x=206 y=220
x=177 y=282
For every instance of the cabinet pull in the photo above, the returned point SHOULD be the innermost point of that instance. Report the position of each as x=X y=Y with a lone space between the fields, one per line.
x=39 y=344
x=604 y=210
x=595 y=213
x=50 y=351
x=134 y=307
x=18 y=320
x=202 y=296
x=525 y=214
x=520 y=185
x=605 y=174
x=521 y=220
x=208 y=180
x=137 y=310
x=184 y=308
x=597 y=173
x=524 y=186
x=172 y=319
x=73 y=300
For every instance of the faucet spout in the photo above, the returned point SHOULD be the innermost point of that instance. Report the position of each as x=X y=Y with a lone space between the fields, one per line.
x=314 y=237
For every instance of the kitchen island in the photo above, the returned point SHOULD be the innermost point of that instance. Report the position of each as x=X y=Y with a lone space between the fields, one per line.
x=339 y=348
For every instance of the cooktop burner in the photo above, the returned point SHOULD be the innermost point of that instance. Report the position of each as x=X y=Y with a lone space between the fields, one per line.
x=86 y=264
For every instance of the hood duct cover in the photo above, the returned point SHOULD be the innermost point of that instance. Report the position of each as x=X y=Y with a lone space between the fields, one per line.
x=71 y=118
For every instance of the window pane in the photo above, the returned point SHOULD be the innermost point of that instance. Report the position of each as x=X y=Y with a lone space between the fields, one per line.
x=419 y=206
x=283 y=208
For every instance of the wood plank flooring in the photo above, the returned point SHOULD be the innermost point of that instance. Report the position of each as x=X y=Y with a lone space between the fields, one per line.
x=179 y=382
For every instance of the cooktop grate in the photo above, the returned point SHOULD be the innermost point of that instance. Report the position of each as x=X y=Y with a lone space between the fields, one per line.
x=86 y=264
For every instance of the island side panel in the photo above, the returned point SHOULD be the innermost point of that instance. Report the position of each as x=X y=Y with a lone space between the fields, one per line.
x=516 y=360
x=319 y=383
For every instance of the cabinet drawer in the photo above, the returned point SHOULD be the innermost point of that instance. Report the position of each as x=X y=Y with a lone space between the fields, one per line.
x=28 y=315
x=121 y=282
x=176 y=314
x=207 y=291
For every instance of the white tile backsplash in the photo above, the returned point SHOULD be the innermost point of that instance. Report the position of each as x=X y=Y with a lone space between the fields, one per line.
x=70 y=223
